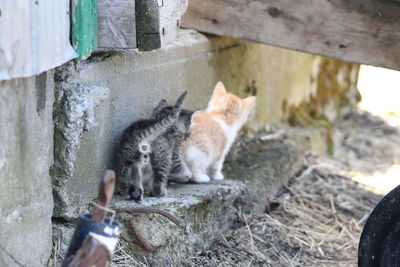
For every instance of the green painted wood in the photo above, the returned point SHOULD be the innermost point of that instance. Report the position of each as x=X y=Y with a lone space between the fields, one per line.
x=84 y=27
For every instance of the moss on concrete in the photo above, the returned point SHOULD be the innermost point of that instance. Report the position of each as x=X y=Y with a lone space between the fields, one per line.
x=335 y=94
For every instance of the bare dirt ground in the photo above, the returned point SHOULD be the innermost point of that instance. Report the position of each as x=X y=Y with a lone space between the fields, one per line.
x=318 y=218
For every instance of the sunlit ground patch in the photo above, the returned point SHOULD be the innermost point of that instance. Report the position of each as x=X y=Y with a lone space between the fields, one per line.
x=380 y=91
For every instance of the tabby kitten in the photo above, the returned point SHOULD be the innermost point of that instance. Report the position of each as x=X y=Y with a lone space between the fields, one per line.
x=133 y=156
x=166 y=158
x=213 y=132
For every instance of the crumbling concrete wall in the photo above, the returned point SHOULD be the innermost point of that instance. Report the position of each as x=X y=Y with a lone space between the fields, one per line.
x=333 y=94
x=26 y=154
x=122 y=87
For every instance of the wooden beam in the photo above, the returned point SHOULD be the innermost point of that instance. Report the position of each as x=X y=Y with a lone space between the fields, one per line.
x=361 y=31
x=117 y=24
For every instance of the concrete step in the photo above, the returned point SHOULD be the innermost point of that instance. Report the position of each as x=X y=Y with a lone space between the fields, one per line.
x=264 y=166
x=205 y=210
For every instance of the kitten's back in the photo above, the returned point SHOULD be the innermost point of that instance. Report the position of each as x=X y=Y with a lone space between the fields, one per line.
x=206 y=135
x=212 y=133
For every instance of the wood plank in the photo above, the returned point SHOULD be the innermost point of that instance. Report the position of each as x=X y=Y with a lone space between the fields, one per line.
x=148 y=25
x=158 y=22
x=142 y=24
x=84 y=27
x=34 y=37
x=360 y=31
x=116 y=24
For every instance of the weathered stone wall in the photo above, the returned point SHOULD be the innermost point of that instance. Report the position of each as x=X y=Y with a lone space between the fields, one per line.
x=26 y=153
x=277 y=76
x=112 y=90
x=333 y=93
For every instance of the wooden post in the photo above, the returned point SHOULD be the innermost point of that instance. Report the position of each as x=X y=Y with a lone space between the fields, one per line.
x=148 y=25
x=84 y=27
x=117 y=24
x=142 y=24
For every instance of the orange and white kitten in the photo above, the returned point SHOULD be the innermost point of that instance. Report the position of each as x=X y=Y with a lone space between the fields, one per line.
x=213 y=132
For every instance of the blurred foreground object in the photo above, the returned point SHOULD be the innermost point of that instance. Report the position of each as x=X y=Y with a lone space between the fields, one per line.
x=380 y=239
x=95 y=236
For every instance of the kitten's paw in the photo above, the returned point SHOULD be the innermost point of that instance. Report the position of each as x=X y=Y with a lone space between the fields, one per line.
x=187 y=173
x=180 y=179
x=159 y=189
x=135 y=193
x=200 y=179
x=218 y=176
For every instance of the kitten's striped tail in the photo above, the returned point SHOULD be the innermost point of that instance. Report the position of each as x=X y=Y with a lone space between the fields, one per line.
x=180 y=100
x=152 y=132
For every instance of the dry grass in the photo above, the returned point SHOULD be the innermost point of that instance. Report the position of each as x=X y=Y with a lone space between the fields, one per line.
x=310 y=223
x=122 y=258
x=56 y=255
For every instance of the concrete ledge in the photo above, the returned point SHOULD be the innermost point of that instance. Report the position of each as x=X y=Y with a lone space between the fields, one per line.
x=204 y=209
x=263 y=167
x=210 y=209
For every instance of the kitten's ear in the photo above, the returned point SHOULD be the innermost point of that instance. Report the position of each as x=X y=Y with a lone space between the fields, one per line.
x=219 y=88
x=249 y=102
x=162 y=104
